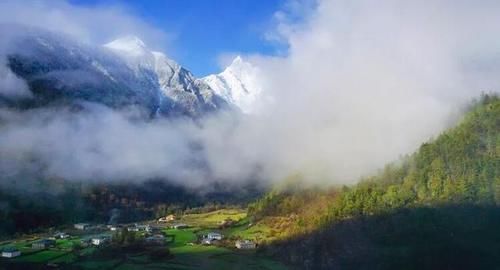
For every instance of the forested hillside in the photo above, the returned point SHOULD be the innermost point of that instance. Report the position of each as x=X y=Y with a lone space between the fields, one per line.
x=435 y=209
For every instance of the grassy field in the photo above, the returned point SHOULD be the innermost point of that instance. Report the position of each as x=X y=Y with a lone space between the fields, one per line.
x=184 y=254
x=181 y=237
x=41 y=256
x=244 y=230
x=213 y=219
x=189 y=257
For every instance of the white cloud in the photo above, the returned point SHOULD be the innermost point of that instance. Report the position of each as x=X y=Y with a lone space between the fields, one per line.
x=11 y=86
x=93 y=24
x=366 y=81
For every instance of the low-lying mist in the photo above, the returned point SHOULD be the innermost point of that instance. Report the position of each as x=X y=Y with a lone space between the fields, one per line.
x=359 y=85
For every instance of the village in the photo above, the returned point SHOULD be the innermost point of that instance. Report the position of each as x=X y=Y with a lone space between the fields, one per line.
x=153 y=233
x=222 y=232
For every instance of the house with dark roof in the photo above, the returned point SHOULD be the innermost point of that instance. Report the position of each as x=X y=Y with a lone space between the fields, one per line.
x=156 y=239
x=44 y=243
x=11 y=252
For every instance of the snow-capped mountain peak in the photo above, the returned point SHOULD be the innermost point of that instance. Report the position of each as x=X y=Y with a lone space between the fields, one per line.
x=179 y=88
x=238 y=84
x=130 y=45
x=237 y=61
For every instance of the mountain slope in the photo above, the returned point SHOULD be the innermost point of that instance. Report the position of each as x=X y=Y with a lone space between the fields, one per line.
x=58 y=68
x=122 y=73
x=180 y=91
x=238 y=84
x=436 y=209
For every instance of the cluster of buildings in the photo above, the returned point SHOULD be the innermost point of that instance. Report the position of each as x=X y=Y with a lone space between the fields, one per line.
x=132 y=228
x=214 y=237
x=172 y=218
x=152 y=236
x=11 y=252
x=96 y=240
x=88 y=226
x=100 y=240
x=83 y=226
x=140 y=228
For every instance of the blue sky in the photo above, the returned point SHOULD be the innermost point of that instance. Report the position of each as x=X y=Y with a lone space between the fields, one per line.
x=202 y=30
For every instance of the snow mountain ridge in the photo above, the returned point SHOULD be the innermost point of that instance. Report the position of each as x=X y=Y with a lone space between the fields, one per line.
x=175 y=82
x=238 y=84
x=121 y=73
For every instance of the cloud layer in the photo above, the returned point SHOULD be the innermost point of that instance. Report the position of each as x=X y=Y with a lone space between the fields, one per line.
x=95 y=24
x=365 y=81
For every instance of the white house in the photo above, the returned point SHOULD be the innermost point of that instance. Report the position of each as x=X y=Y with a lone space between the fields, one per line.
x=61 y=235
x=206 y=241
x=245 y=244
x=167 y=218
x=140 y=228
x=209 y=238
x=100 y=240
x=214 y=236
x=11 y=253
x=180 y=226
x=133 y=229
x=82 y=226
x=114 y=228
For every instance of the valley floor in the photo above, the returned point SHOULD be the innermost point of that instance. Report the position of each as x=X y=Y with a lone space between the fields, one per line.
x=185 y=251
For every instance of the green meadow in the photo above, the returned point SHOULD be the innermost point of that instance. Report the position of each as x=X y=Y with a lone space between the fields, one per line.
x=181 y=243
